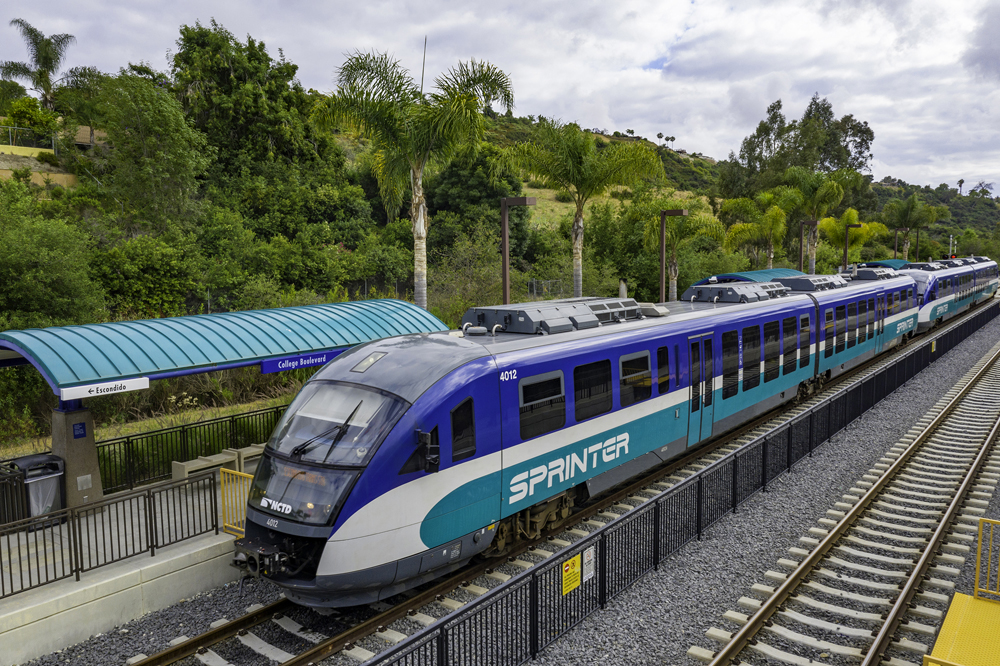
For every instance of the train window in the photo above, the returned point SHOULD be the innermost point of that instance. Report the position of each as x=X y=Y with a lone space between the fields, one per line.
x=463 y=431
x=909 y=298
x=872 y=314
x=592 y=389
x=788 y=344
x=862 y=320
x=730 y=364
x=709 y=372
x=543 y=404
x=695 y=376
x=895 y=302
x=662 y=370
x=772 y=351
x=852 y=324
x=804 y=342
x=751 y=357
x=636 y=381
x=841 y=327
x=828 y=335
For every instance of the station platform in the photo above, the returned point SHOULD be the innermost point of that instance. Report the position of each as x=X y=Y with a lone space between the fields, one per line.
x=58 y=614
x=970 y=635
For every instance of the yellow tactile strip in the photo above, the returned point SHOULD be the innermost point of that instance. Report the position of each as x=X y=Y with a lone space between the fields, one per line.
x=971 y=632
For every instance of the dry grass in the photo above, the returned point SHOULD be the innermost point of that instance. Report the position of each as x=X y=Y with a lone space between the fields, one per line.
x=547 y=213
x=42 y=444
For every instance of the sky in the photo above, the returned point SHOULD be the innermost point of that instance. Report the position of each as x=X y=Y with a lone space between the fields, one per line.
x=924 y=74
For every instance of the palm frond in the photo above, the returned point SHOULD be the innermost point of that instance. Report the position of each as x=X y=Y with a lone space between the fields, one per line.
x=483 y=79
x=379 y=76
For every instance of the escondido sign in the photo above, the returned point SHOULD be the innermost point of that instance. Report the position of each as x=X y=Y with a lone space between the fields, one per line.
x=315 y=359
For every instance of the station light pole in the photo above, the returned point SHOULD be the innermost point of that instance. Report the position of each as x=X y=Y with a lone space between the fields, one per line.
x=847 y=239
x=505 y=204
x=676 y=212
x=895 y=248
x=802 y=226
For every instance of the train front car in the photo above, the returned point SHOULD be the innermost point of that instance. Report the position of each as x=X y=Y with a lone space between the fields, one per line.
x=374 y=480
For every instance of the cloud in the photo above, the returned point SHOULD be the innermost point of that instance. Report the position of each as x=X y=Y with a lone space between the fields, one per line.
x=983 y=53
x=701 y=71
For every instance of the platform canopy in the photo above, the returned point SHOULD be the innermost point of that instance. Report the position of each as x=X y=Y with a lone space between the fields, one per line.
x=98 y=359
x=751 y=276
x=894 y=264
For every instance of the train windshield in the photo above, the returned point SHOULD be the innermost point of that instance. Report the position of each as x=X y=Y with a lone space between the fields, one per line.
x=335 y=423
x=305 y=494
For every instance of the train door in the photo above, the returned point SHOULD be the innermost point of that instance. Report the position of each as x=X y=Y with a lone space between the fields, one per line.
x=880 y=324
x=701 y=396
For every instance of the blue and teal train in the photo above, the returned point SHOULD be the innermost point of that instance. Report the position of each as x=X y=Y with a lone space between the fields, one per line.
x=403 y=458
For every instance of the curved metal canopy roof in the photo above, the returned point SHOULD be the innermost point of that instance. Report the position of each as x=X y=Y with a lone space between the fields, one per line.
x=753 y=276
x=76 y=356
x=895 y=264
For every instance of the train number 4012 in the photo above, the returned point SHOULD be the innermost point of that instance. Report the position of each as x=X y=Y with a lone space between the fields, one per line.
x=508 y=375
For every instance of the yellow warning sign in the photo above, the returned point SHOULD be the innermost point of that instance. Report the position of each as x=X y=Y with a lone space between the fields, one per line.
x=571 y=574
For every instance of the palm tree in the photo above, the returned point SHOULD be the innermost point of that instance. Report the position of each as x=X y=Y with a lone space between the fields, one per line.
x=46 y=54
x=912 y=214
x=407 y=127
x=820 y=192
x=567 y=158
x=762 y=219
x=834 y=229
x=681 y=231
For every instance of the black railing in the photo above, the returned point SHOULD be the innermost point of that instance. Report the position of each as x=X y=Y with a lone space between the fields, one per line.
x=512 y=623
x=42 y=550
x=127 y=462
x=13 y=499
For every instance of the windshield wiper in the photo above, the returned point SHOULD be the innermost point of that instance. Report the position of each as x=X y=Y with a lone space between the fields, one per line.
x=302 y=448
x=343 y=430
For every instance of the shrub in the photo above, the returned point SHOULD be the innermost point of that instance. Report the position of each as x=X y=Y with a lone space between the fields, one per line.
x=48 y=158
x=537 y=184
x=564 y=196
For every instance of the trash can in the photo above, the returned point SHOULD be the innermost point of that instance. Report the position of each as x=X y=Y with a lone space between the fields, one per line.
x=44 y=482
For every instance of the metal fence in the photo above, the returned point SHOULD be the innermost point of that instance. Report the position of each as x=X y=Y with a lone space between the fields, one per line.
x=22 y=136
x=13 y=498
x=41 y=550
x=127 y=462
x=511 y=624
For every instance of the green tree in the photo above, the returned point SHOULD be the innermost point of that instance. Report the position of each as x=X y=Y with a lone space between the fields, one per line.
x=821 y=193
x=46 y=55
x=762 y=219
x=249 y=106
x=26 y=112
x=682 y=231
x=407 y=127
x=565 y=157
x=835 y=229
x=9 y=92
x=78 y=98
x=911 y=214
x=147 y=276
x=154 y=156
x=43 y=266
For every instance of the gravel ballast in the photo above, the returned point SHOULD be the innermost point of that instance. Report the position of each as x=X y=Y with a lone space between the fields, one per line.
x=664 y=613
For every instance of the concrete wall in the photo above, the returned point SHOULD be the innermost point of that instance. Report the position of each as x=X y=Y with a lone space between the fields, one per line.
x=38 y=178
x=67 y=612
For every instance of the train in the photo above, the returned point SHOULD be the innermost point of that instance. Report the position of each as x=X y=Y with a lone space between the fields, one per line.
x=403 y=458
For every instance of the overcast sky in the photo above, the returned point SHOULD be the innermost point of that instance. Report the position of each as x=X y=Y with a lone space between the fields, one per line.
x=925 y=74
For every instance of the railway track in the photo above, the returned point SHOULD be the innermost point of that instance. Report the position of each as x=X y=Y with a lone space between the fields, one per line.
x=871 y=582
x=294 y=636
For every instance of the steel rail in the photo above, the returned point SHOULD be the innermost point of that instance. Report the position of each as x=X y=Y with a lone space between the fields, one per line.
x=192 y=646
x=746 y=634
x=895 y=616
